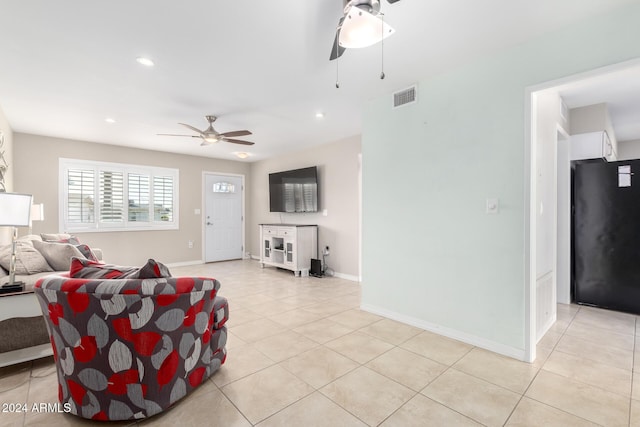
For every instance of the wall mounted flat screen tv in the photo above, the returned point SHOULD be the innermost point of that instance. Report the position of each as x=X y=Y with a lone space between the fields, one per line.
x=294 y=190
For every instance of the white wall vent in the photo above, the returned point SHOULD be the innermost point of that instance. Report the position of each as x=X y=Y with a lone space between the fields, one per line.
x=405 y=96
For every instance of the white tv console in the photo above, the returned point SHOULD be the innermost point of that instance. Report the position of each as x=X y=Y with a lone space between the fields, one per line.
x=289 y=246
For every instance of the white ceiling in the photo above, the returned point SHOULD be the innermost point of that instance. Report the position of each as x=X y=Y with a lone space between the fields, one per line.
x=619 y=89
x=66 y=65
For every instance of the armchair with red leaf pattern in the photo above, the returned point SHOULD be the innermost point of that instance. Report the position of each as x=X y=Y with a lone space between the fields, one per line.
x=127 y=349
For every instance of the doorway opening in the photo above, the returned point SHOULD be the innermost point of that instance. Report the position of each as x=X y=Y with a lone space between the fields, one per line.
x=548 y=210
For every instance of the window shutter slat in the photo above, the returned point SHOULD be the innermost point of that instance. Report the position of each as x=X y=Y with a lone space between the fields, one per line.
x=80 y=202
x=111 y=197
x=162 y=198
x=138 y=197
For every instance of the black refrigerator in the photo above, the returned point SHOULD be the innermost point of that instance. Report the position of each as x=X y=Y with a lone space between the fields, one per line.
x=606 y=234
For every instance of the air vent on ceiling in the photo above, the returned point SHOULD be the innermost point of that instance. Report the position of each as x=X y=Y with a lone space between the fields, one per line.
x=405 y=96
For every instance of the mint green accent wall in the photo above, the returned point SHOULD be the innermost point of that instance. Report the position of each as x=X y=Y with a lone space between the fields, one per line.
x=429 y=250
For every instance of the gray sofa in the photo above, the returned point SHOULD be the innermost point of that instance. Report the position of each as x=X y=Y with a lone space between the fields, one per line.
x=35 y=258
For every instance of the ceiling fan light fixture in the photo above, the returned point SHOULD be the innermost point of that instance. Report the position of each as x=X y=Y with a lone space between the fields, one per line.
x=362 y=29
x=212 y=139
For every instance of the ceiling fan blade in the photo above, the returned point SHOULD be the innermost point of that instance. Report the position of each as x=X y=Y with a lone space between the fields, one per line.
x=236 y=133
x=392 y=1
x=336 y=49
x=238 y=141
x=192 y=128
x=173 y=134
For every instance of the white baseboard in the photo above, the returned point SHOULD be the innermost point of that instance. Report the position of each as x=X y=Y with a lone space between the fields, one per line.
x=346 y=277
x=196 y=262
x=185 y=263
x=484 y=343
x=349 y=277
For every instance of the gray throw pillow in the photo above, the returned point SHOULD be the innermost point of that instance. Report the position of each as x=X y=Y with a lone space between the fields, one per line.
x=152 y=270
x=29 y=238
x=28 y=259
x=55 y=237
x=87 y=269
x=58 y=255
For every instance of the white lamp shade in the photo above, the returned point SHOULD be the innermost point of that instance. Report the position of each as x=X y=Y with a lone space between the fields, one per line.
x=15 y=209
x=361 y=29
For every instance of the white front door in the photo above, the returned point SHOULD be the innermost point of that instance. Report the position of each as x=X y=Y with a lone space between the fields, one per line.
x=223 y=217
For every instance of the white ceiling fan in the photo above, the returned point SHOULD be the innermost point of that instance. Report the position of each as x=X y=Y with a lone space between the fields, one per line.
x=211 y=136
x=360 y=26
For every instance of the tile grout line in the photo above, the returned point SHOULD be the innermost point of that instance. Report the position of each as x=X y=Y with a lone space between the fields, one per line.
x=538 y=373
x=363 y=365
x=276 y=363
x=230 y=401
x=317 y=390
x=419 y=393
x=591 y=360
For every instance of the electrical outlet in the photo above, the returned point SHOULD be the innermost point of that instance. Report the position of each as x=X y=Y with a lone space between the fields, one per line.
x=190 y=244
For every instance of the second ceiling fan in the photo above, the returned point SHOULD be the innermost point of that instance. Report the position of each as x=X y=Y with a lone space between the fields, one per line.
x=211 y=136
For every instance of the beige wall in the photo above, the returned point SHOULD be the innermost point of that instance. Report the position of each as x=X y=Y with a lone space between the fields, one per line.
x=593 y=118
x=36 y=172
x=338 y=170
x=5 y=233
x=629 y=150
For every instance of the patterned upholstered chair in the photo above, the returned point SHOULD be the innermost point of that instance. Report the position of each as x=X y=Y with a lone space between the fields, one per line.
x=128 y=349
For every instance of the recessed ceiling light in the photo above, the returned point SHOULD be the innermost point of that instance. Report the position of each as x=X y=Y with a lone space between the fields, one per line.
x=241 y=154
x=145 y=61
x=319 y=115
x=109 y=120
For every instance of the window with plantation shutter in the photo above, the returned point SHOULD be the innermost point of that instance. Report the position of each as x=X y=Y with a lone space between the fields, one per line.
x=80 y=196
x=99 y=196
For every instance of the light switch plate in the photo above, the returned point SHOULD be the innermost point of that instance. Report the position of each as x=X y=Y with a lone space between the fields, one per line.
x=493 y=206
x=196 y=211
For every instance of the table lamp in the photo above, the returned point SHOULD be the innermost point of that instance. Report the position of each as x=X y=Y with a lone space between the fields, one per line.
x=15 y=211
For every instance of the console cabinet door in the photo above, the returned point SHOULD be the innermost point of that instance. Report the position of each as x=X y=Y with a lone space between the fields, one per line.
x=290 y=251
x=266 y=248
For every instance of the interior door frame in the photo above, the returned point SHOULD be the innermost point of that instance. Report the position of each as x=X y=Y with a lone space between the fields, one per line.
x=203 y=204
x=530 y=223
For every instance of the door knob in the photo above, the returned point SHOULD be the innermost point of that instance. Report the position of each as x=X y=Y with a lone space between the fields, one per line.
x=209 y=223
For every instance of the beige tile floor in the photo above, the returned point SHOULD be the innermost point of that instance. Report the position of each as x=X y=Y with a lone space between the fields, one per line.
x=301 y=353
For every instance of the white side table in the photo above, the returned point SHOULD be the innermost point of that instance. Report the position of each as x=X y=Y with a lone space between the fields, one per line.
x=21 y=304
